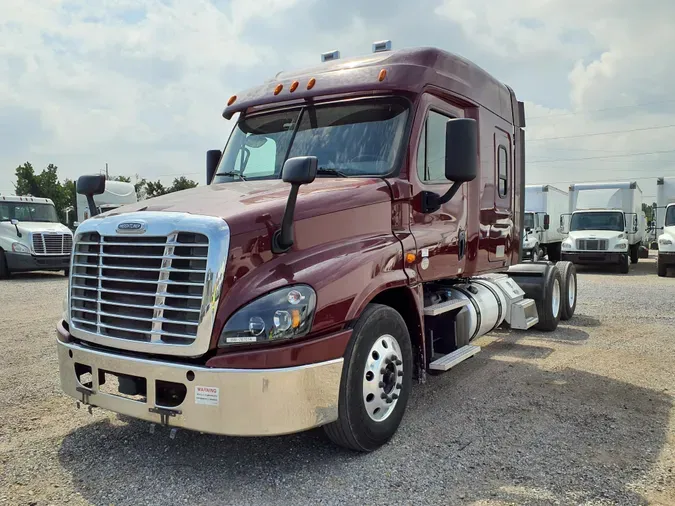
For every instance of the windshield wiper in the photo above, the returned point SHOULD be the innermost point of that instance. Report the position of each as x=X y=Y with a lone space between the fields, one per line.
x=329 y=171
x=232 y=174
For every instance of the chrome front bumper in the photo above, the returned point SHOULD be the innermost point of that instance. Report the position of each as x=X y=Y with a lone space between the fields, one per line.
x=234 y=402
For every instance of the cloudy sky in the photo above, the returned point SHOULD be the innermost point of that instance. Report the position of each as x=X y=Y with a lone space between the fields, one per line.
x=141 y=84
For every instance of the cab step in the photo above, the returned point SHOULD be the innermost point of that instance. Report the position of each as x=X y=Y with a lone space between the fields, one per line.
x=524 y=315
x=444 y=307
x=452 y=359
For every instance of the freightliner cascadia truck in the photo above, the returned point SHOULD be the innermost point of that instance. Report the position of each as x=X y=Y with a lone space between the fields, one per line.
x=361 y=227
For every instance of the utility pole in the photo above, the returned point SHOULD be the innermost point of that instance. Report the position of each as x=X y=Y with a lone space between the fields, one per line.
x=106 y=171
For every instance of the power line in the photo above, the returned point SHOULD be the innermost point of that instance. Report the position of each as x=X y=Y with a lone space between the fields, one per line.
x=527 y=118
x=601 y=133
x=602 y=157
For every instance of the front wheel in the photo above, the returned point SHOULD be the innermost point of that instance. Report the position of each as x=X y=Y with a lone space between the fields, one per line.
x=4 y=270
x=624 y=265
x=634 y=254
x=376 y=381
x=662 y=268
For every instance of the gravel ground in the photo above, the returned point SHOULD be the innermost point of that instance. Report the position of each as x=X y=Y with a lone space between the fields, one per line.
x=583 y=415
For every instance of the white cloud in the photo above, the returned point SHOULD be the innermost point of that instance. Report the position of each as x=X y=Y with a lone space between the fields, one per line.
x=141 y=84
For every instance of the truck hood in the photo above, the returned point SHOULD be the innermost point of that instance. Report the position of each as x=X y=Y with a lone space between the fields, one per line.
x=37 y=226
x=595 y=234
x=247 y=205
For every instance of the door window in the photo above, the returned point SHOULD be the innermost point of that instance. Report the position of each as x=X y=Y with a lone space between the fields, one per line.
x=431 y=150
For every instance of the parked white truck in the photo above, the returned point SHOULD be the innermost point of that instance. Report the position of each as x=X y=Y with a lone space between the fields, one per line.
x=603 y=224
x=31 y=236
x=544 y=204
x=116 y=194
x=665 y=223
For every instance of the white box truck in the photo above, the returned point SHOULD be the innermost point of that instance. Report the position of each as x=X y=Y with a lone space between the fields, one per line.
x=604 y=224
x=31 y=236
x=544 y=205
x=665 y=223
x=116 y=194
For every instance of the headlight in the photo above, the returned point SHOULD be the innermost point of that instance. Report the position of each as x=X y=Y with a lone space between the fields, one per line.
x=621 y=245
x=282 y=314
x=17 y=247
x=567 y=245
x=665 y=242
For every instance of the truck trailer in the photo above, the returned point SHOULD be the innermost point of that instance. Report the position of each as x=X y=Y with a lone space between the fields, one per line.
x=665 y=223
x=544 y=204
x=116 y=194
x=348 y=242
x=605 y=224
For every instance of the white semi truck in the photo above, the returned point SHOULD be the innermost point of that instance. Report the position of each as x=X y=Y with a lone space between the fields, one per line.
x=544 y=204
x=604 y=224
x=665 y=223
x=116 y=194
x=31 y=236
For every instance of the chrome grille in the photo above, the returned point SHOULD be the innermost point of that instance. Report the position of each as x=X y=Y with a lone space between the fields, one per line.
x=145 y=289
x=52 y=243
x=592 y=244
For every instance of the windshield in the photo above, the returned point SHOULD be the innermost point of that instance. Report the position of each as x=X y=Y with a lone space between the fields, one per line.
x=528 y=220
x=28 y=211
x=597 y=221
x=355 y=138
x=670 y=216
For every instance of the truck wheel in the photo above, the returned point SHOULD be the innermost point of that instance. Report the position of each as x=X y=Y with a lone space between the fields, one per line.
x=554 y=252
x=568 y=274
x=624 y=265
x=376 y=381
x=66 y=272
x=634 y=254
x=4 y=270
x=662 y=269
x=550 y=305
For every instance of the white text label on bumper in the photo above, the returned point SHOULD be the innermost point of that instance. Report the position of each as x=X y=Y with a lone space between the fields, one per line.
x=206 y=395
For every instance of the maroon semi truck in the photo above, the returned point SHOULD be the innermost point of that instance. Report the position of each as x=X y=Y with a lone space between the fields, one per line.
x=361 y=227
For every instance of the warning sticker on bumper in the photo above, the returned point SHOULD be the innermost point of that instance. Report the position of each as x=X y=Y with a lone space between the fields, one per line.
x=206 y=395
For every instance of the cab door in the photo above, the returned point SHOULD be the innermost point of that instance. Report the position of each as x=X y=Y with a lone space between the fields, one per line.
x=440 y=236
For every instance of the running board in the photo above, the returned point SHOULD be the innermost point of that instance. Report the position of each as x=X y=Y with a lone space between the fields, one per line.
x=452 y=359
x=524 y=315
x=444 y=307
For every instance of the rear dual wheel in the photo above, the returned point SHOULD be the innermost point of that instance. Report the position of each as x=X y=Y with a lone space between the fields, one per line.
x=568 y=274
x=376 y=381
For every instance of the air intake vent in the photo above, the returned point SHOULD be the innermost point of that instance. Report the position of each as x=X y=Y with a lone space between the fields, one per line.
x=330 y=56
x=381 y=46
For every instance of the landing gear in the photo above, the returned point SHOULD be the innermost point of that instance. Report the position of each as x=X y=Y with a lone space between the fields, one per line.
x=376 y=381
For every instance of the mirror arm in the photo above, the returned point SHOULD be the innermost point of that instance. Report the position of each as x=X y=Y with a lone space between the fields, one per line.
x=92 y=205
x=282 y=240
x=431 y=202
x=18 y=233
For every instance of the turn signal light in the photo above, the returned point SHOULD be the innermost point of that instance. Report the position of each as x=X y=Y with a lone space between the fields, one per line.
x=410 y=258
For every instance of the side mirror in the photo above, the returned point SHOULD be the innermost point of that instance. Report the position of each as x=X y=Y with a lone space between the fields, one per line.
x=90 y=186
x=15 y=222
x=461 y=150
x=212 y=160
x=461 y=160
x=547 y=222
x=300 y=170
x=76 y=224
x=297 y=171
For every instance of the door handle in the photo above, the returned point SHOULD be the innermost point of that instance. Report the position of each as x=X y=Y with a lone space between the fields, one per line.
x=462 y=244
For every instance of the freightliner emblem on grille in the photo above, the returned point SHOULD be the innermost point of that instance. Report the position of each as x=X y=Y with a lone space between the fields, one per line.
x=131 y=227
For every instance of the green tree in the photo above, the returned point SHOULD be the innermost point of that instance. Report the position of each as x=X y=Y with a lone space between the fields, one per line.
x=182 y=183
x=45 y=185
x=155 y=189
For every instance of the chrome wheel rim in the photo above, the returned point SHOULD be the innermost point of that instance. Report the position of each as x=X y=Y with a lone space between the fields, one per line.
x=572 y=291
x=383 y=378
x=555 y=299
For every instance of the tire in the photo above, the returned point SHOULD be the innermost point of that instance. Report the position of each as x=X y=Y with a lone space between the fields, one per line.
x=662 y=269
x=357 y=427
x=554 y=252
x=4 y=270
x=549 y=307
x=634 y=254
x=624 y=265
x=568 y=274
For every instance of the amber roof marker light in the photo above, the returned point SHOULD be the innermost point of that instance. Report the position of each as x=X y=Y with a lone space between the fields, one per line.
x=383 y=75
x=311 y=83
x=232 y=100
x=278 y=89
x=294 y=86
